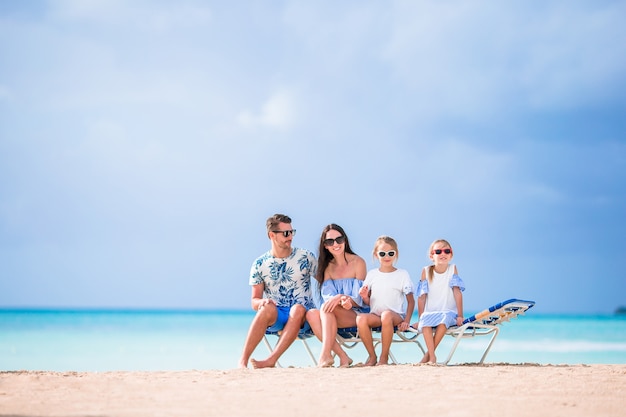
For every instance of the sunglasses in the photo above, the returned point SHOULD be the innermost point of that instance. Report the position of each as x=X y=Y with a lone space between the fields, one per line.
x=446 y=251
x=331 y=242
x=285 y=233
x=390 y=254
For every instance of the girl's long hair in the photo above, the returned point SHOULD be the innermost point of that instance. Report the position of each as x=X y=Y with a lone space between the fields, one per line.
x=325 y=256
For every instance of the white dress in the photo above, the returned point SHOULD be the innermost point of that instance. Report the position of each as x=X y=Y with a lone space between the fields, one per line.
x=440 y=305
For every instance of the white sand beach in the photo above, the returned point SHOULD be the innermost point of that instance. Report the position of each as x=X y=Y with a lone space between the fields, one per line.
x=462 y=390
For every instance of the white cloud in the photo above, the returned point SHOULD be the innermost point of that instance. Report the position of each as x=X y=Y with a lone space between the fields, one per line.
x=278 y=112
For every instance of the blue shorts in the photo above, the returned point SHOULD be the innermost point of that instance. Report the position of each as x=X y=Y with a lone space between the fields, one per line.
x=281 y=320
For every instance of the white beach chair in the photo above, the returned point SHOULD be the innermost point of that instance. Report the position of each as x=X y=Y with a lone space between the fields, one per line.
x=485 y=323
x=349 y=338
x=303 y=335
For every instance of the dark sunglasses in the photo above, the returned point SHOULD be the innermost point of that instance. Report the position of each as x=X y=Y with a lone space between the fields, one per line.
x=285 y=233
x=446 y=251
x=390 y=254
x=331 y=242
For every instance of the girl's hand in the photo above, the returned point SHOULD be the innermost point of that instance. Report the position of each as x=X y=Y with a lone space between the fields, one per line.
x=459 y=320
x=346 y=302
x=403 y=326
x=364 y=291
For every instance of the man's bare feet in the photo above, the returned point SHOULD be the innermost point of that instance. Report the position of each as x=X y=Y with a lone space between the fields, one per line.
x=262 y=364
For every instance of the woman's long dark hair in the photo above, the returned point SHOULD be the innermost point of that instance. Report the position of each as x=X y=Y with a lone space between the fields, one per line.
x=324 y=255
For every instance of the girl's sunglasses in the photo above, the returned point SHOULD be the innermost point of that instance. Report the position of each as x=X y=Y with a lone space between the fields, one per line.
x=390 y=254
x=331 y=242
x=446 y=251
x=285 y=233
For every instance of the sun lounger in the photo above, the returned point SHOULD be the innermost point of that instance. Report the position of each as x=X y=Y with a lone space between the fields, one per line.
x=485 y=323
x=303 y=335
x=348 y=338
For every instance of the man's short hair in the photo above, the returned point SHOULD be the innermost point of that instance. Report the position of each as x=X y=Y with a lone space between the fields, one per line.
x=273 y=222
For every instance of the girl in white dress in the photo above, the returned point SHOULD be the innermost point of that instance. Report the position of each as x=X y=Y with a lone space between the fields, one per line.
x=439 y=298
x=389 y=293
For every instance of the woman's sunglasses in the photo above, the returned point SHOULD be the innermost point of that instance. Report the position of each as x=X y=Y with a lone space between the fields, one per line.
x=446 y=251
x=331 y=242
x=390 y=254
x=285 y=233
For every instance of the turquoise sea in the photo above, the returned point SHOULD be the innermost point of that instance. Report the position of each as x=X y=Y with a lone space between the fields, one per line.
x=95 y=340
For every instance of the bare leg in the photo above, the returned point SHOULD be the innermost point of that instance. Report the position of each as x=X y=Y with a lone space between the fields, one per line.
x=265 y=316
x=330 y=323
x=313 y=318
x=388 y=320
x=440 y=332
x=430 y=345
x=287 y=337
x=315 y=321
x=364 y=323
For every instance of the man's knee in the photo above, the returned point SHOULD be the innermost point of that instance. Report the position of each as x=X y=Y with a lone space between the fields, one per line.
x=297 y=311
x=267 y=314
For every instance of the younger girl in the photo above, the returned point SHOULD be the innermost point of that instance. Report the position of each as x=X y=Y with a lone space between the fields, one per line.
x=439 y=298
x=389 y=293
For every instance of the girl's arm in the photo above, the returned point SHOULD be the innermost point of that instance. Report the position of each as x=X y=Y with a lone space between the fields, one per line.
x=364 y=292
x=410 y=306
x=458 y=298
x=421 y=304
x=421 y=300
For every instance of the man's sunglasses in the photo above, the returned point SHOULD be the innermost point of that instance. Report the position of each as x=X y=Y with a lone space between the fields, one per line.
x=285 y=233
x=331 y=242
x=390 y=254
x=446 y=251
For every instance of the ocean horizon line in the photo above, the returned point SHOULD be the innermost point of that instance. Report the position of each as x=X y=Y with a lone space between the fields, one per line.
x=113 y=310
x=243 y=311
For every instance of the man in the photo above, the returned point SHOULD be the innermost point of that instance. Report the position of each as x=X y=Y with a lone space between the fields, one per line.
x=281 y=291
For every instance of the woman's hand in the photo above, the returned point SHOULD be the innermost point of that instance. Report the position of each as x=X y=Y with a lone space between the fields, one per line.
x=346 y=302
x=331 y=304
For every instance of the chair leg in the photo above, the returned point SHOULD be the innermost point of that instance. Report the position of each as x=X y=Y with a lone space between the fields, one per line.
x=308 y=349
x=271 y=349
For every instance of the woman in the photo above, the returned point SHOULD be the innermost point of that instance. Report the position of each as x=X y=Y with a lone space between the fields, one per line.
x=340 y=275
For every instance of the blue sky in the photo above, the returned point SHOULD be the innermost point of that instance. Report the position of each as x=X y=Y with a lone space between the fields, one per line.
x=144 y=143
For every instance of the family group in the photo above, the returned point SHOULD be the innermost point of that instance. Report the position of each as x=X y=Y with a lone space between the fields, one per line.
x=291 y=289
